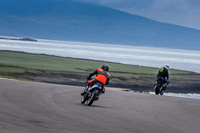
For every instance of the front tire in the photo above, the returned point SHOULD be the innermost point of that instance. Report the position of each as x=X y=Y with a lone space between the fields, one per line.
x=84 y=98
x=162 y=91
x=92 y=98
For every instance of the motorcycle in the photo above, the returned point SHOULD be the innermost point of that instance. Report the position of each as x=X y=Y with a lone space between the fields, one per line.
x=160 y=86
x=92 y=93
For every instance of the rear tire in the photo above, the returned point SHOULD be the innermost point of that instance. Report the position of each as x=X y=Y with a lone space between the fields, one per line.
x=157 y=89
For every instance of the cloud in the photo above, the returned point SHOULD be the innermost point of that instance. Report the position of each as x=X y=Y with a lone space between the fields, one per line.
x=118 y=3
x=180 y=12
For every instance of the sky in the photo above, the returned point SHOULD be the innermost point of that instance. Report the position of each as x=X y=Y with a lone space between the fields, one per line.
x=179 y=12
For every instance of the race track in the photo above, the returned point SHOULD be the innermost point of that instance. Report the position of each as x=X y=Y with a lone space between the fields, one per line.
x=31 y=107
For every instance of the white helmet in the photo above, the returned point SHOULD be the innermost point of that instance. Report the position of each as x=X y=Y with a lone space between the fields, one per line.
x=166 y=66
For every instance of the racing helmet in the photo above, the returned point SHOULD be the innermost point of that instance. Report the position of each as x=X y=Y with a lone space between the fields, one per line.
x=105 y=67
x=166 y=66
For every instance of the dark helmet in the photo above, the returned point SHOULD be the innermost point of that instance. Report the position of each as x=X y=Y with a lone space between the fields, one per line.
x=105 y=67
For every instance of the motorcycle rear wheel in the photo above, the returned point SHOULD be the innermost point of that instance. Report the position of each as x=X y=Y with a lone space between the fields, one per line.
x=157 y=89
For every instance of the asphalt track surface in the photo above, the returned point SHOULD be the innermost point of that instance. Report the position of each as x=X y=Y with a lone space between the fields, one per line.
x=30 y=107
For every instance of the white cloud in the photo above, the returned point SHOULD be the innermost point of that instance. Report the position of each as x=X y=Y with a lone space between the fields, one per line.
x=180 y=12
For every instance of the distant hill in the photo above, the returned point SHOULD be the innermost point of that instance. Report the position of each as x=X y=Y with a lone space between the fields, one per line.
x=75 y=21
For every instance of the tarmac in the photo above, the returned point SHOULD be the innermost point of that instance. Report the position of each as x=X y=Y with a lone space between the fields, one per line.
x=33 y=107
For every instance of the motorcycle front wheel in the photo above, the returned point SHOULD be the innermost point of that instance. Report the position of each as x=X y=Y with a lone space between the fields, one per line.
x=92 y=98
x=162 y=91
x=84 y=98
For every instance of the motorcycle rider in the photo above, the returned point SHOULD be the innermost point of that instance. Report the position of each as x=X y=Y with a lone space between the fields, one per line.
x=163 y=75
x=102 y=77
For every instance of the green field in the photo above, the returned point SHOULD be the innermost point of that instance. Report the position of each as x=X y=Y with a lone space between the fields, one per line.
x=53 y=69
x=46 y=62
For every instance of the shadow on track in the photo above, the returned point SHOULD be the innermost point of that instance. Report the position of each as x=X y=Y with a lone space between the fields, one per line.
x=94 y=106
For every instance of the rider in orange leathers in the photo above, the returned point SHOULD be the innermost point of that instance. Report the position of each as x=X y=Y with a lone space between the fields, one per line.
x=102 y=77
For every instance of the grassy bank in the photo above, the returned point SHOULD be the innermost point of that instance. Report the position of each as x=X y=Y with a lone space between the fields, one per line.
x=60 y=70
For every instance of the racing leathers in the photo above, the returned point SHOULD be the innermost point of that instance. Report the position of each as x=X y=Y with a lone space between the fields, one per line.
x=163 y=76
x=102 y=77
